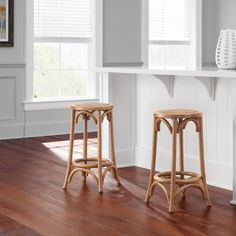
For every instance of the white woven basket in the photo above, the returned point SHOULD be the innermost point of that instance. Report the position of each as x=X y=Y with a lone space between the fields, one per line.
x=226 y=50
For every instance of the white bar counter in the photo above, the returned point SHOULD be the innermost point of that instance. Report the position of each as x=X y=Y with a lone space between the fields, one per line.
x=207 y=76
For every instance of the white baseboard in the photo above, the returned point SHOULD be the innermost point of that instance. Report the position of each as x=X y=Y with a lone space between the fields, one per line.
x=233 y=202
x=126 y=165
x=11 y=131
x=218 y=174
x=125 y=158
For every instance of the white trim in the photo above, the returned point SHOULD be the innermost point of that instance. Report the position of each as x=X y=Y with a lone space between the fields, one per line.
x=12 y=65
x=233 y=203
x=61 y=40
x=165 y=42
x=133 y=114
x=29 y=48
x=213 y=72
x=125 y=165
x=54 y=104
x=117 y=64
x=196 y=35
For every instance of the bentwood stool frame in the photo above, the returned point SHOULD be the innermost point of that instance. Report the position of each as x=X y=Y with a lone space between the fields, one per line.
x=98 y=112
x=180 y=180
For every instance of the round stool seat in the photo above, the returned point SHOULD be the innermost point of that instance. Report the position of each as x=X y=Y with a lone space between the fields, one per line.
x=91 y=163
x=165 y=177
x=92 y=107
x=178 y=113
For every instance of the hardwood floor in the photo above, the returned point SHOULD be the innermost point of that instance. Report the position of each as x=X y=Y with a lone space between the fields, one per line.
x=32 y=201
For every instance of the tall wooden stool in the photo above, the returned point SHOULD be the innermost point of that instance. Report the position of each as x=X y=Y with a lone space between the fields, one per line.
x=174 y=183
x=98 y=112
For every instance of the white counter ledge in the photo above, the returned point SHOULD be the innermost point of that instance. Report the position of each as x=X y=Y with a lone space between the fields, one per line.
x=206 y=75
x=117 y=88
x=203 y=72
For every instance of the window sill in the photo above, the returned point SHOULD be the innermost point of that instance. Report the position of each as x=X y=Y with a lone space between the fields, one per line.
x=37 y=105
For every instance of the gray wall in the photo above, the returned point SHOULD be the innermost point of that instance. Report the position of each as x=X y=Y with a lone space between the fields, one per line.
x=122 y=32
x=217 y=15
x=17 y=53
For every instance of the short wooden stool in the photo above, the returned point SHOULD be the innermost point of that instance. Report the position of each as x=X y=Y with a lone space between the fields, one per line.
x=178 y=181
x=98 y=112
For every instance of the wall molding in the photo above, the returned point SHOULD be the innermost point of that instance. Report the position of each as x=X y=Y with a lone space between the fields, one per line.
x=12 y=65
x=114 y=64
x=13 y=116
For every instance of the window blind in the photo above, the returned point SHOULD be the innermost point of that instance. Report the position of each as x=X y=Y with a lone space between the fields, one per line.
x=63 y=18
x=169 y=20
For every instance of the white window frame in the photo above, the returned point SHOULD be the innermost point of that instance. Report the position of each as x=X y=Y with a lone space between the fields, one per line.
x=195 y=45
x=53 y=103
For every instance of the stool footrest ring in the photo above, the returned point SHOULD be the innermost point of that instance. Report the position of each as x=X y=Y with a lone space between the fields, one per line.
x=91 y=163
x=165 y=177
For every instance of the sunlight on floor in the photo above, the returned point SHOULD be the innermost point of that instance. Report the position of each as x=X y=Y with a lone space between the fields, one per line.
x=61 y=148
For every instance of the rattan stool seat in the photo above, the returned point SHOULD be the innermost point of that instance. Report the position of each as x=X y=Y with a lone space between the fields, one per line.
x=92 y=107
x=177 y=113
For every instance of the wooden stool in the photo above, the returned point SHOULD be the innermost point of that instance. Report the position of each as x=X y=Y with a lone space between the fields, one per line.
x=98 y=112
x=181 y=179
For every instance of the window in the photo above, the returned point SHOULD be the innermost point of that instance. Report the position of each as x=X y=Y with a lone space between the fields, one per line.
x=63 y=49
x=169 y=33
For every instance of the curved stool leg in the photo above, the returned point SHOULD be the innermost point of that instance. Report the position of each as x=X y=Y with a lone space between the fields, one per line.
x=173 y=169
x=202 y=163
x=153 y=165
x=116 y=176
x=99 y=127
x=85 y=143
x=69 y=164
x=181 y=154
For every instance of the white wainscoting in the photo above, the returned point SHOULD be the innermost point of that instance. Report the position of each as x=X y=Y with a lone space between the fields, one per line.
x=218 y=125
x=12 y=90
x=17 y=123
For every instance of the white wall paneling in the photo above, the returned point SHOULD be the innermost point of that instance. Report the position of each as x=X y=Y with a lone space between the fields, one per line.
x=11 y=97
x=233 y=143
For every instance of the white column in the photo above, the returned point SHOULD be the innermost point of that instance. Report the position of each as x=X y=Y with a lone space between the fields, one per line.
x=233 y=202
x=234 y=161
x=105 y=97
x=120 y=90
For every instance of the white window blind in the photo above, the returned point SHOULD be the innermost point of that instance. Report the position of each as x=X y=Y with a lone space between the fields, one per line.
x=62 y=18
x=169 y=20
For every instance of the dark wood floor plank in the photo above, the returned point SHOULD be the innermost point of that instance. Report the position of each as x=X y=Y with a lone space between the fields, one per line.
x=32 y=201
x=9 y=226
